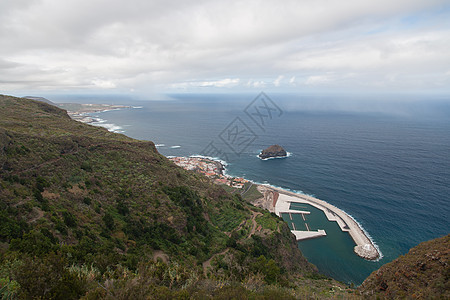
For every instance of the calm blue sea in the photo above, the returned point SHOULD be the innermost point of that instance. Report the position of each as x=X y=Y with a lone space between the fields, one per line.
x=385 y=160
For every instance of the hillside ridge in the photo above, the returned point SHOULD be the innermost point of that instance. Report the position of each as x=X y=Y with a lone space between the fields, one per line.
x=84 y=204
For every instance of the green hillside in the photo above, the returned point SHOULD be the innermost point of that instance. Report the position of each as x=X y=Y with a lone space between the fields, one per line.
x=423 y=273
x=89 y=213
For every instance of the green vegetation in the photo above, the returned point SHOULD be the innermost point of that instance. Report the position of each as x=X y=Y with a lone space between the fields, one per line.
x=89 y=213
x=268 y=221
x=423 y=273
x=252 y=194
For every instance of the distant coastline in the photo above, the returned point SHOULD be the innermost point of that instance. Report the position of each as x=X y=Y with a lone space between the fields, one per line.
x=82 y=113
x=79 y=112
x=278 y=200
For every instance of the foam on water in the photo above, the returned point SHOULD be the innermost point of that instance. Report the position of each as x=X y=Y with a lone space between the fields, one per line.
x=368 y=236
x=288 y=154
x=110 y=127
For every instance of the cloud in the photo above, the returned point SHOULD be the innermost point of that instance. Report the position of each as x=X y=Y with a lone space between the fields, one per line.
x=228 y=82
x=104 y=84
x=318 y=79
x=278 y=81
x=69 y=45
x=256 y=84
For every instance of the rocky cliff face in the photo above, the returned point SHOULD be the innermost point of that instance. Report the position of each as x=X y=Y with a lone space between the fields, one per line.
x=423 y=273
x=272 y=152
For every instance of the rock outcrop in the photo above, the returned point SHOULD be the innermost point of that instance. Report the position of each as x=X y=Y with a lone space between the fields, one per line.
x=273 y=151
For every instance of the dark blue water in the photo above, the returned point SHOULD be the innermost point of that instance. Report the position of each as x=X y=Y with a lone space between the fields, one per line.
x=385 y=163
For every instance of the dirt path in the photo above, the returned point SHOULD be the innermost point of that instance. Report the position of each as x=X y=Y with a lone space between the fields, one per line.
x=207 y=264
x=160 y=254
x=236 y=229
x=252 y=232
x=39 y=214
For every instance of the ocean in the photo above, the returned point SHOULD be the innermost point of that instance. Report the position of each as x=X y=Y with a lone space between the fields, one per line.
x=385 y=159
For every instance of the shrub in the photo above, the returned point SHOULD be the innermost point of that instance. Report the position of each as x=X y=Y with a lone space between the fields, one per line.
x=11 y=228
x=109 y=221
x=41 y=183
x=8 y=288
x=86 y=166
x=122 y=208
x=34 y=243
x=87 y=200
x=48 y=278
x=69 y=219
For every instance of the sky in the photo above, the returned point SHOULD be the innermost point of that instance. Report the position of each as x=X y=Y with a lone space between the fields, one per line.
x=151 y=46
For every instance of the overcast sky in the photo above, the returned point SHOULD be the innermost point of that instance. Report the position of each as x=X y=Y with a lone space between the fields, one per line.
x=147 y=46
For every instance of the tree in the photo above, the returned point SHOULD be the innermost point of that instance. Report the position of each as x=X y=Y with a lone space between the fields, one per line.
x=109 y=221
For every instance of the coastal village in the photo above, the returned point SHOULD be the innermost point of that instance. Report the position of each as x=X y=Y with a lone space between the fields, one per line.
x=279 y=202
x=211 y=169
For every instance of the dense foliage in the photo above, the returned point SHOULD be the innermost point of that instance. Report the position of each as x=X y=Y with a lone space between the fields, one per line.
x=89 y=213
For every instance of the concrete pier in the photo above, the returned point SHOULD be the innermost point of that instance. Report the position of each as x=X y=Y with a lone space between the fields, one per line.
x=364 y=246
x=304 y=235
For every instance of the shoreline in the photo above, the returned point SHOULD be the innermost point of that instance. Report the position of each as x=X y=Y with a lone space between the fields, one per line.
x=80 y=111
x=278 y=200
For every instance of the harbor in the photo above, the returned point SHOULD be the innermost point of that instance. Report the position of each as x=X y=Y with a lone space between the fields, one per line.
x=281 y=201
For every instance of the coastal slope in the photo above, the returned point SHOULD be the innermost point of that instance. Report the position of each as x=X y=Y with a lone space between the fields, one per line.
x=422 y=273
x=87 y=212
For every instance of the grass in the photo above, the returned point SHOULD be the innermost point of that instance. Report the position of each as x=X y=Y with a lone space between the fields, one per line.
x=253 y=193
x=267 y=221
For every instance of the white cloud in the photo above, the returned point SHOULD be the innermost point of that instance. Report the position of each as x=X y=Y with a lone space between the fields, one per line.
x=256 y=83
x=141 y=44
x=278 y=81
x=318 y=79
x=228 y=82
x=104 y=84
